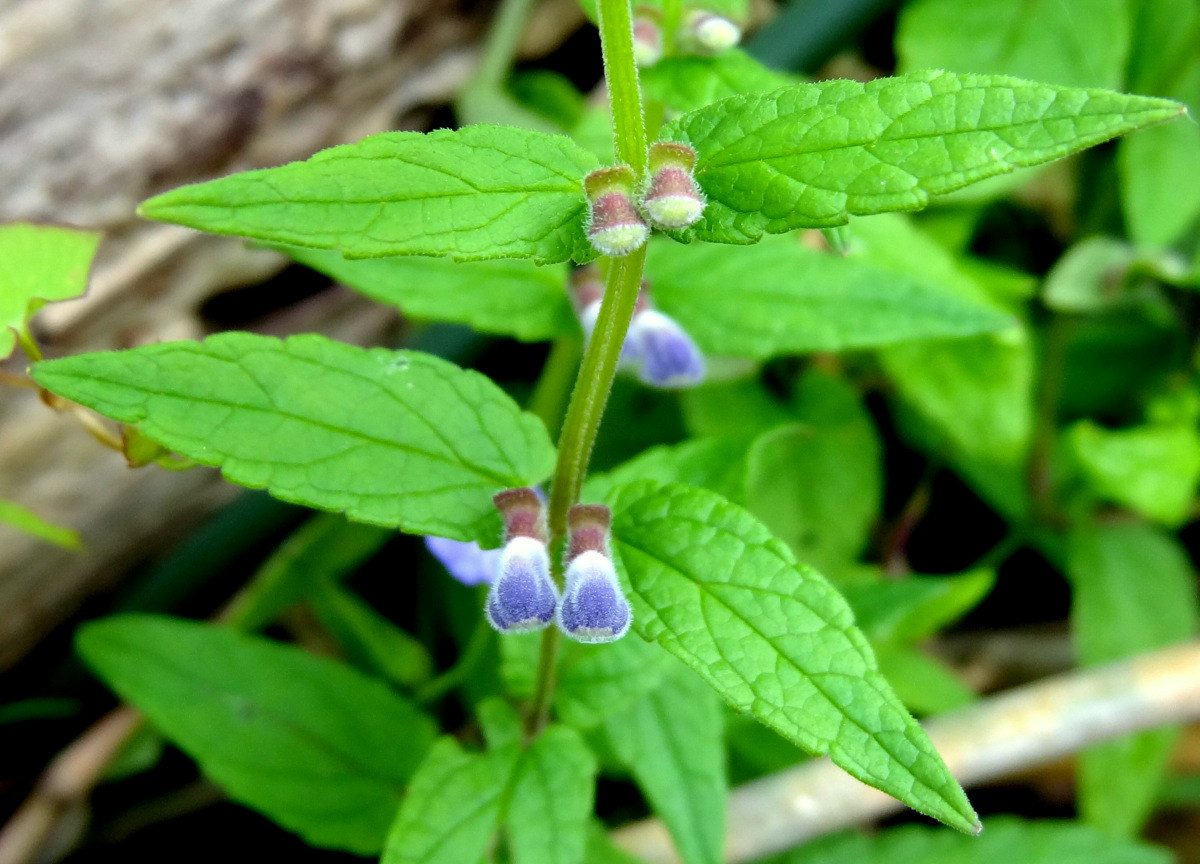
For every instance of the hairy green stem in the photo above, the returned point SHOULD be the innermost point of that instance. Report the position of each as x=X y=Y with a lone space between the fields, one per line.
x=599 y=365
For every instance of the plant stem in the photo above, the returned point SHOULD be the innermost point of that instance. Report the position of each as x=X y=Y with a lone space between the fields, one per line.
x=599 y=366
x=475 y=651
x=501 y=47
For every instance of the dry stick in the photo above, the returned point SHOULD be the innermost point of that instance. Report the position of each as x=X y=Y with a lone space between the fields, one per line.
x=999 y=736
x=65 y=786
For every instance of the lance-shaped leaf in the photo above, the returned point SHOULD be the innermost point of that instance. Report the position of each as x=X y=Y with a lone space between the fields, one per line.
x=453 y=806
x=781 y=297
x=314 y=745
x=810 y=156
x=688 y=83
x=394 y=438
x=672 y=742
x=12 y=513
x=512 y=298
x=553 y=789
x=474 y=193
x=713 y=587
x=39 y=263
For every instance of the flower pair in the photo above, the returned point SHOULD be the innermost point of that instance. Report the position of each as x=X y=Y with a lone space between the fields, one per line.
x=620 y=216
x=702 y=32
x=655 y=347
x=523 y=596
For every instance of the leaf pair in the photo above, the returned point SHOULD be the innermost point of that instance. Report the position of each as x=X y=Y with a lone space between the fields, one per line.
x=809 y=155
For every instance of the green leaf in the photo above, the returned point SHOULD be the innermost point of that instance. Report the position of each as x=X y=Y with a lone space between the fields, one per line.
x=688 y=83
x=1006 y=840
x=394 y=438
x=713 y=587
x=470 y=194
x=1153 y=469
x=371 y=641
x=1134 y=590
x=512 y=298
x=550 y=95
x=910 y=609
x=1160 y=187
x=312 y=744
x=519 y=662
x=552 y=797
x=781 y=297
x=818 y=485
x=732 y=408
x=26 y=520
x=453 y=806
x=601 y=849
x=711 y=463
x=810 y=156
x=39 y=263
x=925 y=685
x=596 y=681
x=1076 y=43
x=672 y=742
x=324 y=547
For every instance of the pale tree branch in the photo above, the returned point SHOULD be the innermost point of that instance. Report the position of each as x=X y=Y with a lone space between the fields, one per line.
x=999 y=736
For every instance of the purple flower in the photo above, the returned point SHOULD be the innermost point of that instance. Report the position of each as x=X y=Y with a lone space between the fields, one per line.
x=593 y=608
x=523 y=597
x=667 y=356
x=465 y=561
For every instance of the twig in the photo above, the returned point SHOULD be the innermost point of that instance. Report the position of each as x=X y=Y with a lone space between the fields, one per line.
x=65 y=786
x=997 y=737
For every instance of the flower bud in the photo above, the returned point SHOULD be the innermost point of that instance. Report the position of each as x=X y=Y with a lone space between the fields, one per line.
x=593 y=607
x=588 y=292
x=673 y=200
x=709 y=33
x=647 y=36
x=522 y=596
x=614 y=225
x=667 y=356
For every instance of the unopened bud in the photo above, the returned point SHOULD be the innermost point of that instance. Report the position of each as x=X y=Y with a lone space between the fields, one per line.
x=614 y=225
x=647 y=36
x=709 y=33
x=667 y=355
x=673 y=200
x=523 y=597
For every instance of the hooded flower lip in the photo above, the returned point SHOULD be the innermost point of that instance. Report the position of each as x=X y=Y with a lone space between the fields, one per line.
x=523 y=597
x=667 y=356
x=593 y=608
x=614 y=225
x=672 y=200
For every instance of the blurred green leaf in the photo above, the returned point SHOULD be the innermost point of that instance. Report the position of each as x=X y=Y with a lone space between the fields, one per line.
x=596 y=681
x=1075 y=43
x=923 y=684
x=371 y=641
x=24 y=519
x=1134 y=590
x=688 y=83
x=552 y=797
x=818 y=485
x=780 y=297
x=512 y=298
x=453 y=806
x=471 y=194
x=733 y=408
x=712 y=586
x=519 y=662
x=1160 y=186
x=711 y=463
x=312 y=744
x=909 y=609
x=549 y=94
x=1005 y=840
x=672 y=742
x=39 y=264
x=399 y=439
x=1152 y=469
x=812 y=155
